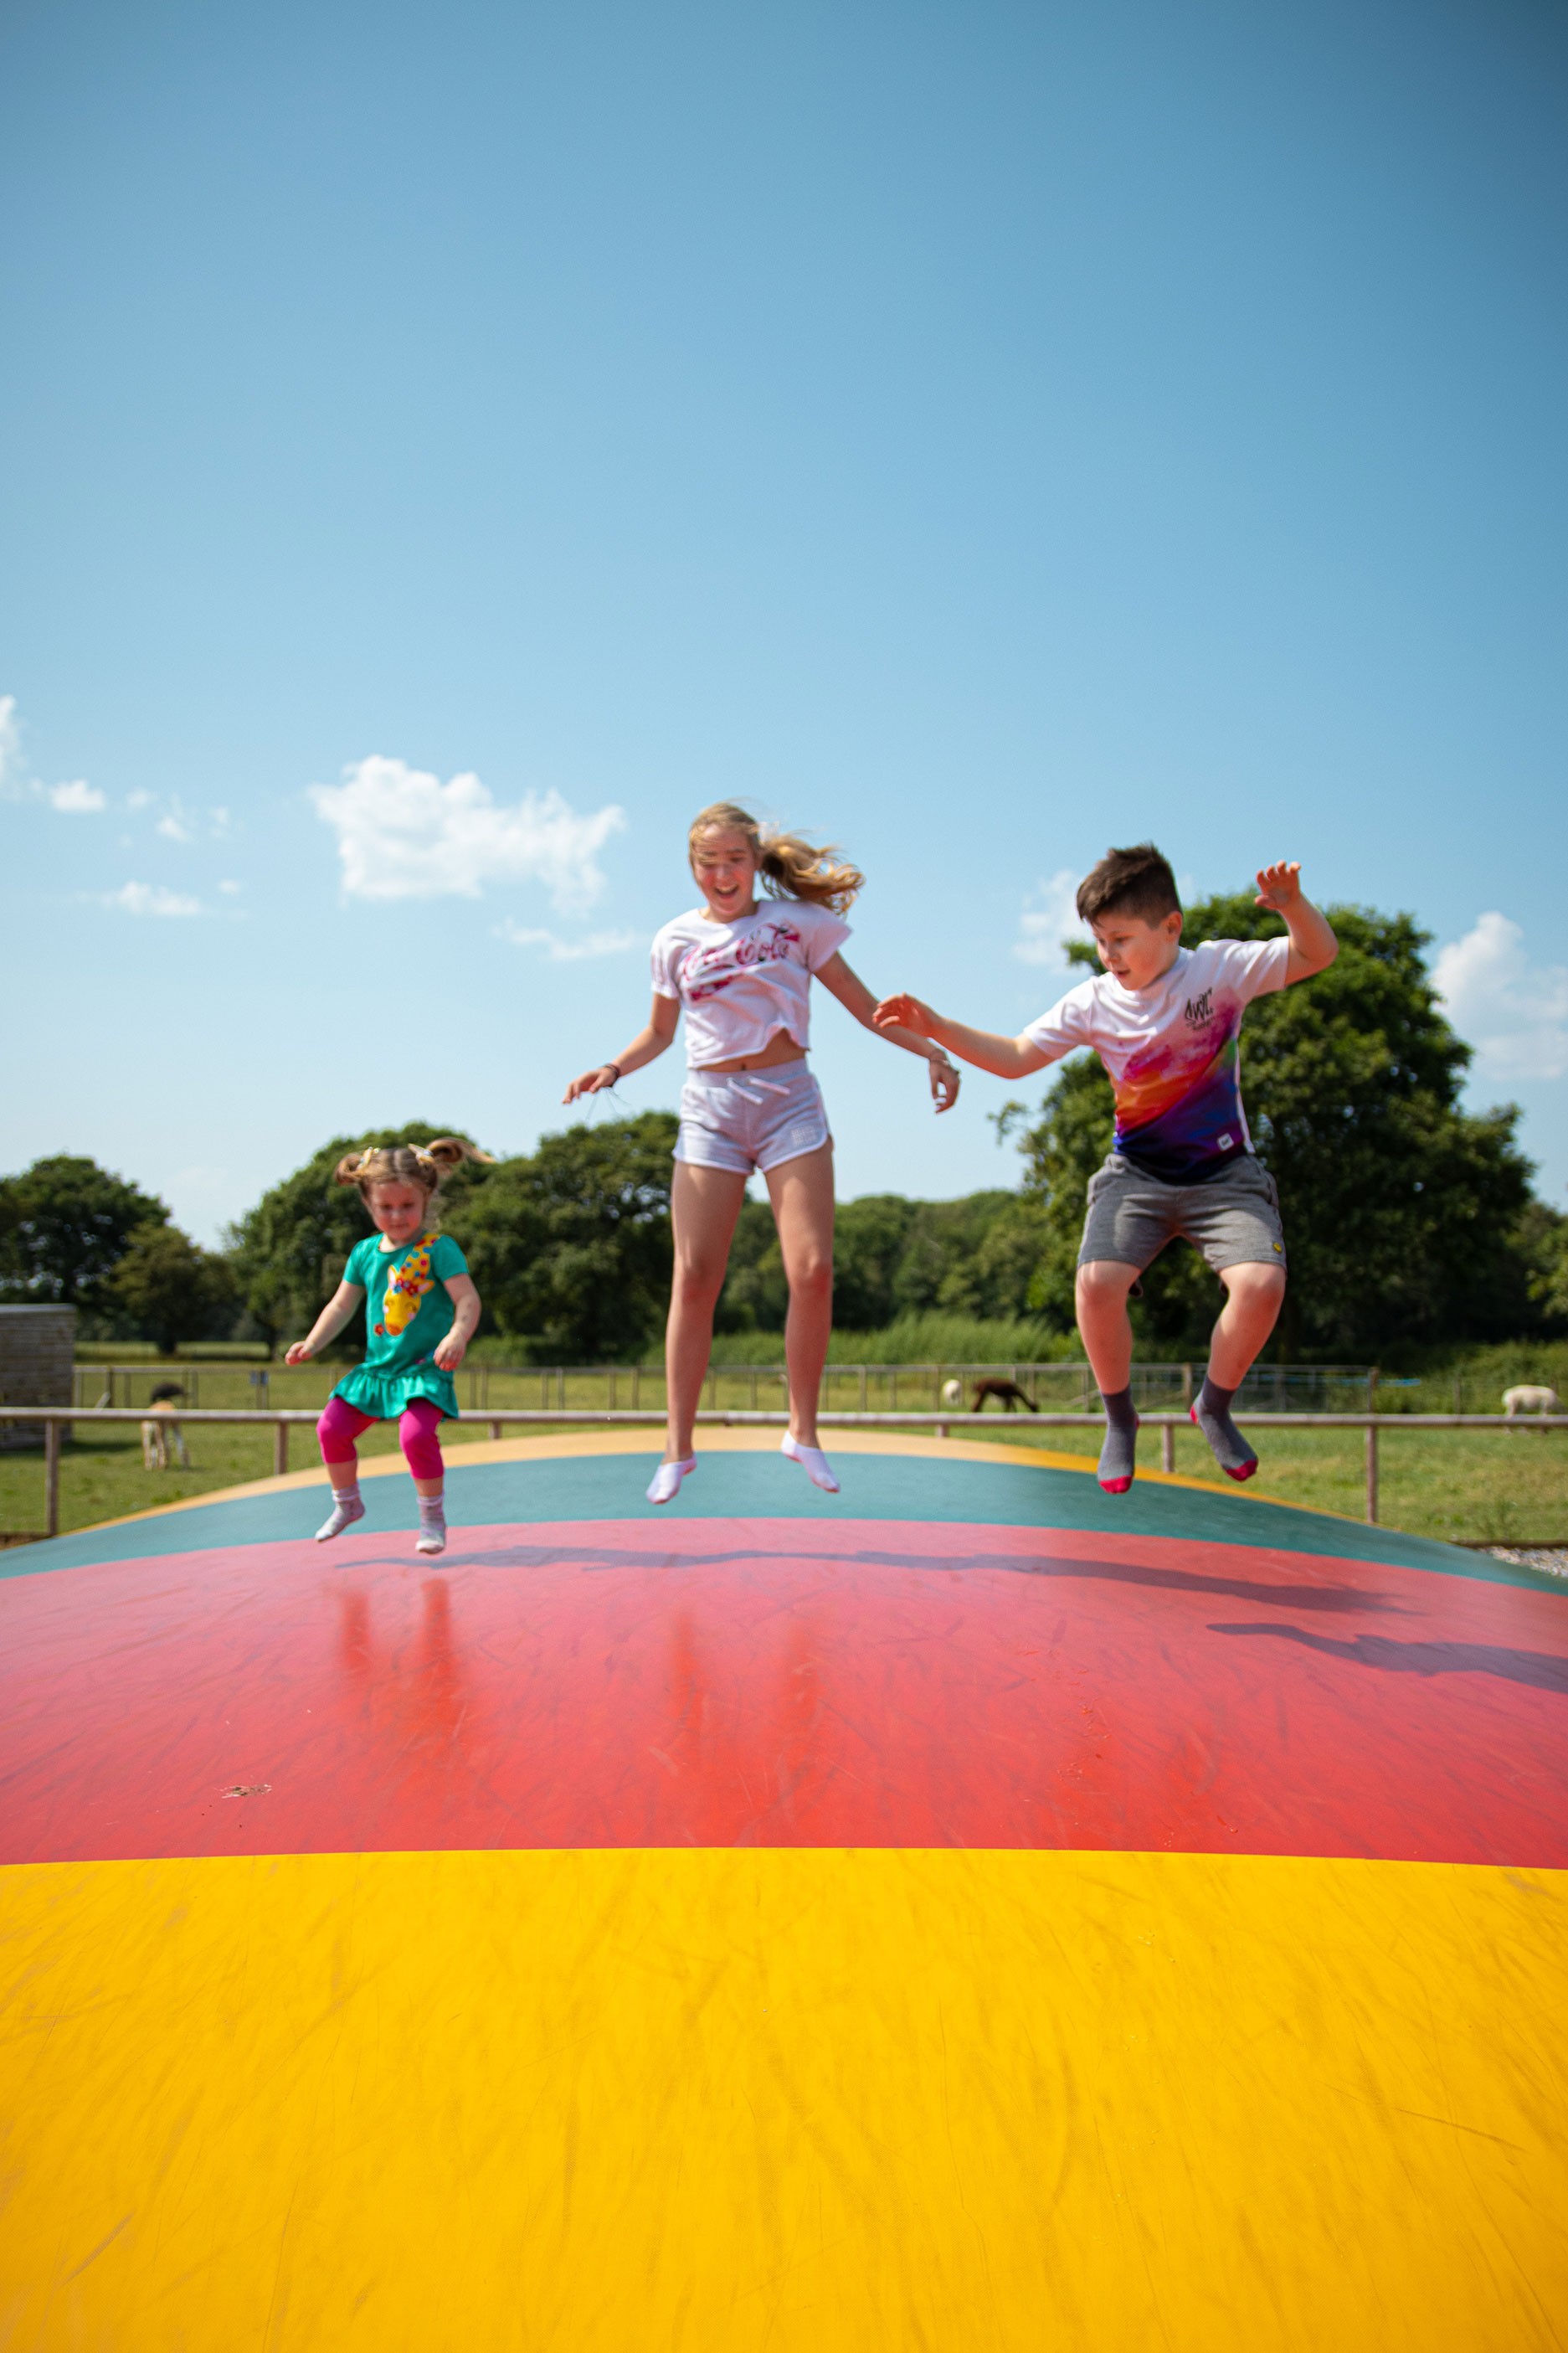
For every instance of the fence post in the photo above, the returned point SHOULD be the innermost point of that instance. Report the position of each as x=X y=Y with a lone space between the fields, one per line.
x=495 y=1431
x=1168 y=1447
x=1372 y=1474
x=52 y=1478
x=279 y=1448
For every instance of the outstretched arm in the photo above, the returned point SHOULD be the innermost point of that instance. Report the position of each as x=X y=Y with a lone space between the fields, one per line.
x=340 y=1308
x=852 y=992
x=646 y=1047
x=1006 y=1058
x=1313 y=946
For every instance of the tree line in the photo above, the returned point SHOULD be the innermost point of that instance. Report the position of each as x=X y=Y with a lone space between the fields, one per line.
x=1407 y=1219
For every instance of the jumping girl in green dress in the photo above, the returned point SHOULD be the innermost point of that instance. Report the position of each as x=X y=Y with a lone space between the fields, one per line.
x=422 y=1311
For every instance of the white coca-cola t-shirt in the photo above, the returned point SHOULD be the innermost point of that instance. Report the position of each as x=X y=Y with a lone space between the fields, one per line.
x=740 y=984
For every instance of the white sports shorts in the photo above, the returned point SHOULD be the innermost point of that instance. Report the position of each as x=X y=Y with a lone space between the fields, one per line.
x=746 y=1120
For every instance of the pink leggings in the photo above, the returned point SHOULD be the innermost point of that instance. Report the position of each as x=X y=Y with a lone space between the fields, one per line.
x=342 y=1423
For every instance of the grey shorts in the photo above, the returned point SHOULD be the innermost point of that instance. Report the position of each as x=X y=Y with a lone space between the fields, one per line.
x=1233 y=1220
x=746 y=1120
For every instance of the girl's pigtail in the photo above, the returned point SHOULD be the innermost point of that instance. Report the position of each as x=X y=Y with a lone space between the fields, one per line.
x=350 y=1168
x=795 y=869
x=449 y=1151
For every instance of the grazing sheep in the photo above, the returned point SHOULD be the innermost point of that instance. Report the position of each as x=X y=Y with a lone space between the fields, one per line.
x=1529 y=1399
x=1007 y=1394
x=953 y=1392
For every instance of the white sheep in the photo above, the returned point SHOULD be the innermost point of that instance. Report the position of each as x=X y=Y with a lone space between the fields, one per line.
x=953 y=1392
x=1529 y=1399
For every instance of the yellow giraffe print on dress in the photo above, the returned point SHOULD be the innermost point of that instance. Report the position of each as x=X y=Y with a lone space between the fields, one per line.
x=405 y=1289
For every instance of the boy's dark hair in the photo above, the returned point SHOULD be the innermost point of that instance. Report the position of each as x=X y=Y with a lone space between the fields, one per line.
x=1136 y=882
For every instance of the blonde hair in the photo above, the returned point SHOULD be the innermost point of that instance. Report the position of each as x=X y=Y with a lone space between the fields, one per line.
x=424 y=1165
x=790 y=867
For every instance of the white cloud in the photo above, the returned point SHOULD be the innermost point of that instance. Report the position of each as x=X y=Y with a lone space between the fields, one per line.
x=230 y=888
x=138 y=800
x=151 y=899
x=1514 y=1013
x=219 y=817
x=78 y=799
x=1049 y=917
x=171 y=829
x=403 y=834
x=13 y=771
x=558 y=950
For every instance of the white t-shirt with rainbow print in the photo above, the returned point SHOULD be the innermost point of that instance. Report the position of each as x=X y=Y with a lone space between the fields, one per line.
x=1173 y=1052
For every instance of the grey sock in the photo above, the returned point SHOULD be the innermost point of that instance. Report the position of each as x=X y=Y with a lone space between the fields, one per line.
x=1212 y=1414
x=1119 y=1455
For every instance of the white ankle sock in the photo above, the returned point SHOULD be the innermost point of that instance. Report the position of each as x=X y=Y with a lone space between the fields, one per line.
x=432 y=1536
x=813 y=1461
x=666 y=1480
x=346 y=1509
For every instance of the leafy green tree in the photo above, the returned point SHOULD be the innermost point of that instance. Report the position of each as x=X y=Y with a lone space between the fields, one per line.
x=571 y=1249
x=895 y=1257
x=65 y=1225
x=169 y=1290
x=1402 y=1212
x=288 y=1252
x=755 y=1297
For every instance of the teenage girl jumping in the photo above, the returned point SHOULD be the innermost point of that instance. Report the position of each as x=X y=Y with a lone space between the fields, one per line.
x=422 y=1312
x=741 y=974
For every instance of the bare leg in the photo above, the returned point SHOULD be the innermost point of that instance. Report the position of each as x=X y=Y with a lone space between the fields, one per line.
x=704 y=1204
x=1103 y=1322
x=1102 y=1319
x=802 y=1194
x=1254 y=1296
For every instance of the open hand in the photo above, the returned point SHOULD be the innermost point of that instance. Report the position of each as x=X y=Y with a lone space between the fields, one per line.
x=1279 y=885
x=943 y=1084
x=905 y=1012
x=300 y=1354
x=450 y=1352
x=592 y=1082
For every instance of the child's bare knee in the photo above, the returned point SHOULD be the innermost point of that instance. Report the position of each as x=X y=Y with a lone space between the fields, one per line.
x=1255 y=1285
x=1104 y=1281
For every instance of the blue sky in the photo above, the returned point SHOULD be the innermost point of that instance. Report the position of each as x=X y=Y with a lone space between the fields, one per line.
x=979 y=434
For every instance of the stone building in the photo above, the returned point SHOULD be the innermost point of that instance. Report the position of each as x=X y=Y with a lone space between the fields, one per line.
x=38 y=1354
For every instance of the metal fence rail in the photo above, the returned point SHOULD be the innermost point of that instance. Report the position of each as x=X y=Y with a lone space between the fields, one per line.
x=57 y=1419
x=1061 y=1382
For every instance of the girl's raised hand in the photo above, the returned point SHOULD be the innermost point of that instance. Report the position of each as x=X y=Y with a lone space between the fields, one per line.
x=905 y=1012
x=592 y=1082
x=1279 y=885
x=943 y=1084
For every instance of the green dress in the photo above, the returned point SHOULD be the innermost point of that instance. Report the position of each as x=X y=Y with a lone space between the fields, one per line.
x=410 y=1313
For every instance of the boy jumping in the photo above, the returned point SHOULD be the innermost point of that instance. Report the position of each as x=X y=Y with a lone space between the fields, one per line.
x=1165 y=1020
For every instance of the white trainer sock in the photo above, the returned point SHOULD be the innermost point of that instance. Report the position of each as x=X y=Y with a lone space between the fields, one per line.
x=432 y=1536
x=813 y=1461
x=666 y=1482
x=346 y=1509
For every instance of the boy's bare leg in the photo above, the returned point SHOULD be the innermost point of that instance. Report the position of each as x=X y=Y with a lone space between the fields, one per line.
x=1253 y=1298
x=1107 y=1332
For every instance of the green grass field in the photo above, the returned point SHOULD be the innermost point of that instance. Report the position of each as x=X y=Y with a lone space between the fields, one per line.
x=1494 y=1487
